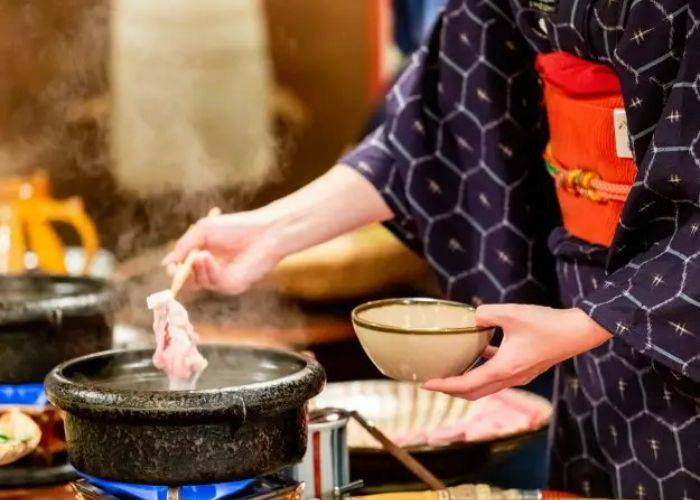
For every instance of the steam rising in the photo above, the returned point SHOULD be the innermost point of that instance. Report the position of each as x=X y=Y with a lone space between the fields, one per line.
x=190 y=91
x=58 y=85
x=245 y=313
x=180 y=89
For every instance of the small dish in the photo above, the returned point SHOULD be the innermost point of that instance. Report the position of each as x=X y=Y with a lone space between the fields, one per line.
x=19 y=436
x=418 y=339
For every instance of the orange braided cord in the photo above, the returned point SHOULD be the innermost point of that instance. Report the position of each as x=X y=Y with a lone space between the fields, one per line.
x=585 y=182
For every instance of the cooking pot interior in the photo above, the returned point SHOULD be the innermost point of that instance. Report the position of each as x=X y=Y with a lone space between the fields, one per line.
x=229 y=366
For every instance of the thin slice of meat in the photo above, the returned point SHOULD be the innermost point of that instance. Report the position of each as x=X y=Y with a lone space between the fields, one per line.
x=413 y=437
x=501 y=414
x=534 y=410
x=176 y=342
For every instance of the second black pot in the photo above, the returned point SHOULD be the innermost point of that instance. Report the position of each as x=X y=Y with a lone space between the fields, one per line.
x=45 y=320
x=247 y=417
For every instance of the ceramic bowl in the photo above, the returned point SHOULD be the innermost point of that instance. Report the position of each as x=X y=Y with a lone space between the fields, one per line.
x=418 y=339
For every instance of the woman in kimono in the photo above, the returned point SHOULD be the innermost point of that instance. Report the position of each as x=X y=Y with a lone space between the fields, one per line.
x=576 y=223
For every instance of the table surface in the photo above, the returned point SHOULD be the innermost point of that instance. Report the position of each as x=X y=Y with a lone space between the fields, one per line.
x=63 y=492
x=66 y=493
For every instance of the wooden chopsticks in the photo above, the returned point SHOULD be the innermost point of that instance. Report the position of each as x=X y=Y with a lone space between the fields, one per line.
x=400 y=454
x=392 y=448
x=184 y=268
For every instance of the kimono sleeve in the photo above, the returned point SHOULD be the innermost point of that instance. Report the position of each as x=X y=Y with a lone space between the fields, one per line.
x=377 y=158
x=652 y=298
x=380 y=157
x=373 y=159
x=458 y=158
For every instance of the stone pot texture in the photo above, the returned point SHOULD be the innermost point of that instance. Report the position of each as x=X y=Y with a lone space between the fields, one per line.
x=246 y=417
x=45 y=320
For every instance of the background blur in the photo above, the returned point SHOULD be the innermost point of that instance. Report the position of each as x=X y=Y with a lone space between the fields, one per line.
x=302 y=76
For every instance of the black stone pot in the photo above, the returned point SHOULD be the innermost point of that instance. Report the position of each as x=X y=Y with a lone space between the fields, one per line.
x=247 y=416
x=45 y=320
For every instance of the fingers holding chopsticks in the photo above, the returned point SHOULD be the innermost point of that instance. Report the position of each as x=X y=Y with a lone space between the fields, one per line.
x=206 y=270
x=200 y=270
x=228 y=253
x=193 y=239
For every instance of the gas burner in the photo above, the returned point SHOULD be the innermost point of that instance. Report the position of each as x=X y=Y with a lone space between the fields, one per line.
x=264 y=488
x=22 y=394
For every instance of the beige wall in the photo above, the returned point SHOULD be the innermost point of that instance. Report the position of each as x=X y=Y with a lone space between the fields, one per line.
x=321 y=52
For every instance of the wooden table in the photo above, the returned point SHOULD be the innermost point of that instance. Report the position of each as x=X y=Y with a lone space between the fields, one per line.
x=63 y=492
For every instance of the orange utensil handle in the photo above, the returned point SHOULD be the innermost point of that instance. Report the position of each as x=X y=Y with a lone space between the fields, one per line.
x=13 y=246
x=47 y=246
x=40 y=213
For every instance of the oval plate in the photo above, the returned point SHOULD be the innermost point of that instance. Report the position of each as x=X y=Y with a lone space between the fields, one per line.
x=402 y=410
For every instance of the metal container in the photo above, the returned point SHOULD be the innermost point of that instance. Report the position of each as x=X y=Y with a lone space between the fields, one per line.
x=325 y=469
x=247 y=416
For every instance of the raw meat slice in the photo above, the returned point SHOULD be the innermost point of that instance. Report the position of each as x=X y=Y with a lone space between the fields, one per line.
x=504 y=413
x=176 y=342
x=415 y=437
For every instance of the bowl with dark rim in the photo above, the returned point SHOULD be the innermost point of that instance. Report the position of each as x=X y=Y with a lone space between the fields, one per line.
x=246 y=417
x=418 y=339
x=45 y=320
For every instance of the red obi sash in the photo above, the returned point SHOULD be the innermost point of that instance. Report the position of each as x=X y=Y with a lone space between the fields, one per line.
x=592 y=166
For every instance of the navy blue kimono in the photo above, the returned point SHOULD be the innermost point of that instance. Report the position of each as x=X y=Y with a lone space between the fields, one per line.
x=458 y=160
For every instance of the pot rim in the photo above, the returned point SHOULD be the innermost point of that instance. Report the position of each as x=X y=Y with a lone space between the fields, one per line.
x=164 y=405
x=101 y=296
x=378 y=327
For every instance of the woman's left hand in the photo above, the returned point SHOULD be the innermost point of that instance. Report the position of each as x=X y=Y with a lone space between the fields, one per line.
x=534 y=339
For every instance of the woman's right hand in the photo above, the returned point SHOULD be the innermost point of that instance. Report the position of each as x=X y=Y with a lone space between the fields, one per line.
x=233 y=251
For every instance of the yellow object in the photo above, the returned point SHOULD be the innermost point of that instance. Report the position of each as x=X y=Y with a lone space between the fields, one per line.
x=27 y=212
x=461 y=492
x=405 y=495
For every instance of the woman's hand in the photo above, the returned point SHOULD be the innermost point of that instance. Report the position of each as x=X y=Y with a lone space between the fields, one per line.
x=534 y=339
x=234 y=251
